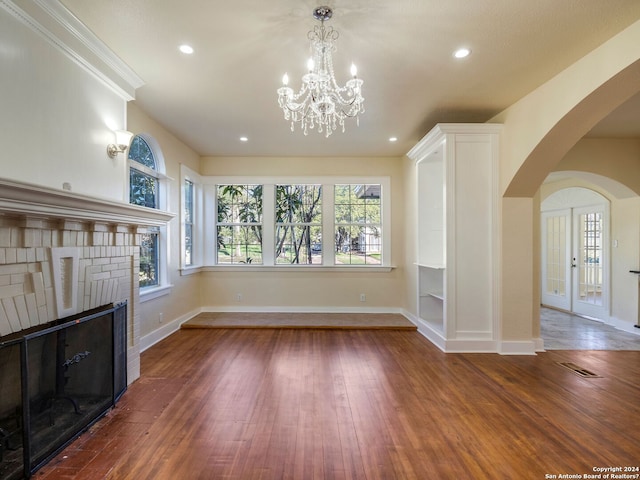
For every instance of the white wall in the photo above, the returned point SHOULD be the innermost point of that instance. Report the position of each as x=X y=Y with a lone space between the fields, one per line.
x=55 y=116
x=624 y=246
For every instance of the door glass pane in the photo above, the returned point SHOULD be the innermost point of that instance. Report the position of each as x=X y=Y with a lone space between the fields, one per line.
x=556 y=258
x=590 y=258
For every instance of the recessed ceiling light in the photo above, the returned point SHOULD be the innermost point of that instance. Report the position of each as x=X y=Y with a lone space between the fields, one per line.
x=393 y=139
x=188 y=49
x=462 y=53
x=244 y=139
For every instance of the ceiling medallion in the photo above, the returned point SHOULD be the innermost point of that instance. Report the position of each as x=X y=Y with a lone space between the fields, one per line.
x=321 y=102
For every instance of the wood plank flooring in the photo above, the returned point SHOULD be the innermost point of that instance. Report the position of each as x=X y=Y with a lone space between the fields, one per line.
x=358 y=404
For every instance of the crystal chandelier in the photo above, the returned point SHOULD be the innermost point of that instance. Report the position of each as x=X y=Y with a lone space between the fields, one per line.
x=321 y=101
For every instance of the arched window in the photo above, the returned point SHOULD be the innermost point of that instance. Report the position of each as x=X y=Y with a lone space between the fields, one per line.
x=146 y=166
x=143 y=177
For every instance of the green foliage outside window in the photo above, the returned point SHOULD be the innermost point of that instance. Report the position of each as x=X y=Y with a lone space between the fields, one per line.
x=149 y=259
x=299 y=224
x=143 y=189
x=358 y=224
x=140 y=152
x=239 y=229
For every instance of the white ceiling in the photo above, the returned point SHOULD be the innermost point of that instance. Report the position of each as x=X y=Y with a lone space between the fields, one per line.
x=403 y=50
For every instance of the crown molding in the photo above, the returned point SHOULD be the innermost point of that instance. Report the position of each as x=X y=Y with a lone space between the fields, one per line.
x=64 y=31
x=439 y=132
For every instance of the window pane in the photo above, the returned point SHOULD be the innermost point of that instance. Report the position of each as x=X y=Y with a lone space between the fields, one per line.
x=188 y=201
x=358 y=245
x=239 y=203
x=298 y=224
x=143 y=189
x=239 y=244
x=188 y=244
x=358 y=224
x=149 y=259
x=140 y=152
x=188 y=222
x=299 y=244
x=299 y=204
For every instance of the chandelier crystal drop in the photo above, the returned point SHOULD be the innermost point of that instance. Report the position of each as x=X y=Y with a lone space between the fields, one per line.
x=321 y=102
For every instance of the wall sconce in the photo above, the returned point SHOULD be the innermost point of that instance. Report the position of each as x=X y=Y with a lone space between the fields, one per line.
x=122 y=143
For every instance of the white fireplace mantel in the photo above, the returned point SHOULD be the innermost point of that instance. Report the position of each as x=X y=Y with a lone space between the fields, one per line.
x=37 y=201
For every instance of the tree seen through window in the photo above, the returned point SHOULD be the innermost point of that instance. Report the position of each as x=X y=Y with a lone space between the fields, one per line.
x=239 y=226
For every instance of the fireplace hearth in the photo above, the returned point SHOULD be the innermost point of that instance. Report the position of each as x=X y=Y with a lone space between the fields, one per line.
x=56 y=381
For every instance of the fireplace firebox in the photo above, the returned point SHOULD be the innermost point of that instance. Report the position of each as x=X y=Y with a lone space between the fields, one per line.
x=57 y=381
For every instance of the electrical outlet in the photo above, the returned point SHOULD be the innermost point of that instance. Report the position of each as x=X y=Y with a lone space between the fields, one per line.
x=363 y=297
x=160 y=317
x=238 y=297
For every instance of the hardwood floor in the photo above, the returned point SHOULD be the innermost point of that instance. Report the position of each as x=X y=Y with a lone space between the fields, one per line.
x=362 y=404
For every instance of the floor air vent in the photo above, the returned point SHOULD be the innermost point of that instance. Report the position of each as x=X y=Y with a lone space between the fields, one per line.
x=583 y=372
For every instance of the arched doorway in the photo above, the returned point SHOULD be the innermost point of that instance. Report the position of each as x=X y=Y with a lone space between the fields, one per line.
x=575 y=252
x=540 y=129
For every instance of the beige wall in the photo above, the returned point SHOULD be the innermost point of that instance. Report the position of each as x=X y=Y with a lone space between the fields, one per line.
x=539 y=130
x=616 y=159
x=324 y=290
x=612 y=168
x=185 y=293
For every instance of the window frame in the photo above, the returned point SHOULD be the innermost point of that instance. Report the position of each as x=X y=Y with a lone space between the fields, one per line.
x=238 y=224
x=360 y=203
x=207 y=234
x=197 y=233
x=295 y=224
x=163 y=287
x=188 y=224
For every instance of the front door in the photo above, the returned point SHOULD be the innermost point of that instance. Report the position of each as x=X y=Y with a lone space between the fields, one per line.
x=588 y=262
x=574 y=257
x=556 y=259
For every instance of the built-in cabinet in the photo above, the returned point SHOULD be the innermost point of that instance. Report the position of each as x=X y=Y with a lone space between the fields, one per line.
x=457 y=228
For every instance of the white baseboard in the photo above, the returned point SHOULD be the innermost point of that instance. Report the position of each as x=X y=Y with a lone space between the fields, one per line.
x=518 y=347
x=470 y=345
x=301 y=309
x=623 y=325
x=163 y=332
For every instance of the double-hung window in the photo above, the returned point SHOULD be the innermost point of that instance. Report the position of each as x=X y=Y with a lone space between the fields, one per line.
x=239 y=225
x=192 y=240
x=358 y=224
x=298 y=224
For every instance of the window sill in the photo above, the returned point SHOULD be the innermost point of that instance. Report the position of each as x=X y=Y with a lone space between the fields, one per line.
x=152 y=293
x=190 y=270
x=288 y=268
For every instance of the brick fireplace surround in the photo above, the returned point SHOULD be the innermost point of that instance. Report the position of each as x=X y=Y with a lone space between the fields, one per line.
x=62 y=253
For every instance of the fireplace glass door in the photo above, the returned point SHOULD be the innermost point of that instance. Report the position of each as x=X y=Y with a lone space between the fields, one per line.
x=55 y=383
